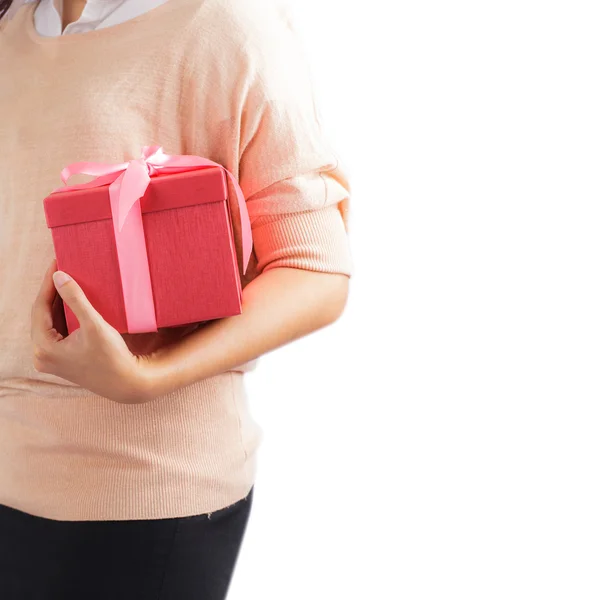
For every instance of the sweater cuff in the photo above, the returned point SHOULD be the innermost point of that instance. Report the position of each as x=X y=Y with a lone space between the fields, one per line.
x=314 y=240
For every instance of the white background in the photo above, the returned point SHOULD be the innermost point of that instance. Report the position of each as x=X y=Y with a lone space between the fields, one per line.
x=441 y=439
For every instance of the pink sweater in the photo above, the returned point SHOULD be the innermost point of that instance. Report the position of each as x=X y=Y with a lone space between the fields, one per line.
x=224 y=79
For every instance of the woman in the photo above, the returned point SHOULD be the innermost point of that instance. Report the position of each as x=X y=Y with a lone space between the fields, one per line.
x=127 y=463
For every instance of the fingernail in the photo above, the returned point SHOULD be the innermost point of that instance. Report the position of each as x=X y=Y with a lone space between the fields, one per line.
x=60 y=279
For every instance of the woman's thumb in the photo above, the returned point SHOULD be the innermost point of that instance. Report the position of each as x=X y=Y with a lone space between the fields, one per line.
x=74 y=297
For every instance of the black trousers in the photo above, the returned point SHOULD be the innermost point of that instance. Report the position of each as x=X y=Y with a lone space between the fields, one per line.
x=188 y=558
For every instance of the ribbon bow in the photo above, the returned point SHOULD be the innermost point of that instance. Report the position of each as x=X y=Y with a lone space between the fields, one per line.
x=128 y=182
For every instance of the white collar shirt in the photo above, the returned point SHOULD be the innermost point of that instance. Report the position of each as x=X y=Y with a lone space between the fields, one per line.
x=97 y=14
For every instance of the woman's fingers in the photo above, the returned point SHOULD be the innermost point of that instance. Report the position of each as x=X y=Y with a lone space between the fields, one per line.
x=43 y=335
x=41 y=313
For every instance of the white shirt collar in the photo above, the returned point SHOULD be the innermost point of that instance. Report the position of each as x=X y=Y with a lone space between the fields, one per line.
x=97 y=14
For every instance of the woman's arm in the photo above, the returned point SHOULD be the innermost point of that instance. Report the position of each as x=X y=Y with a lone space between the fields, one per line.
x=279 y=306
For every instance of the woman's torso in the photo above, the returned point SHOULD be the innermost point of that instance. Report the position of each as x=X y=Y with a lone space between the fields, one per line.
x=153 y=80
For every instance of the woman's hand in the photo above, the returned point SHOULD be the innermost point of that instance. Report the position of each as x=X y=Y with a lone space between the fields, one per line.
x=95 y=356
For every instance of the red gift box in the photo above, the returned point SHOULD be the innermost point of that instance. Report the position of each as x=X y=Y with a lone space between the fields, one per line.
x=190 y=247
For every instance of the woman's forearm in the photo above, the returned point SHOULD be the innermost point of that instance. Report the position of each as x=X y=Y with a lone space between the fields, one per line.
x=279 y=306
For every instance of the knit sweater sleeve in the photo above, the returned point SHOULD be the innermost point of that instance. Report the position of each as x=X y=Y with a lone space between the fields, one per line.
x=296 y=190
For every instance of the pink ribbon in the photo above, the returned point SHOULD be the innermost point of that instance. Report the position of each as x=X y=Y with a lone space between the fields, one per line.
x=128 y=183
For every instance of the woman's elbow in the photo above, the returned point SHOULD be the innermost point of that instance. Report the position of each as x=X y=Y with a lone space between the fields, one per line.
x=336 y=297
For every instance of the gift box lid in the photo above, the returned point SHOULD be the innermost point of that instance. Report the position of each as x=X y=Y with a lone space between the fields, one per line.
x=177 y=190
